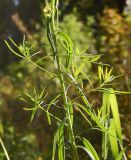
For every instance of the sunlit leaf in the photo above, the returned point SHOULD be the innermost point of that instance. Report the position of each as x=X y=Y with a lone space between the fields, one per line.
x=50 y=104
x=90 y=148
x=115 y=112
x=113 y=139
x=68 y=45
x=54 y=147
x=120 y=155
x=60 y=142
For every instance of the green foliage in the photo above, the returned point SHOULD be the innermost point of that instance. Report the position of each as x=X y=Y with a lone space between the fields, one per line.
x=71 y=65
x=84 y=37
x=35 y=100
x=90 y=149
x=114 y=138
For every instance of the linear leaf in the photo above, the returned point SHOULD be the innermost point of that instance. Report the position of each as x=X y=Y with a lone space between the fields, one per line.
x=120 y=155
x=87 y=151
x=95 y=58
x=52 y=102
x=89 y=147
x=14 y=43
x=67 y=44
x=60 y=139
x=10 y=48
x=83 y=115
x=100 y=73
x=115 y=112
x=94 y=117
x=113 y=139
x=54 y=147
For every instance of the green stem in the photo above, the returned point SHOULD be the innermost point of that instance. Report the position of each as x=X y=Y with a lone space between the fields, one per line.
x=71 y=134
x=105 y=144
x=52 y=39
x=51 y=35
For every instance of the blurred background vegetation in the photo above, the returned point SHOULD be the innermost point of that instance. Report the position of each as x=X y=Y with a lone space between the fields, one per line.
x=102 y=26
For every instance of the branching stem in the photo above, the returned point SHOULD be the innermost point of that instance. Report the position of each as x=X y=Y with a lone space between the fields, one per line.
x=51 y=34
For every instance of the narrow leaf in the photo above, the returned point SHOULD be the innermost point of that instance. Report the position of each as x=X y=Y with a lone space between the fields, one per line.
x=113 y=139
x=60 y=138
x=115 y=112
x=120 y=155
x=52 y=102
x=89 y=147
x=10 y=48
x=87 y=151
x=54 y=147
